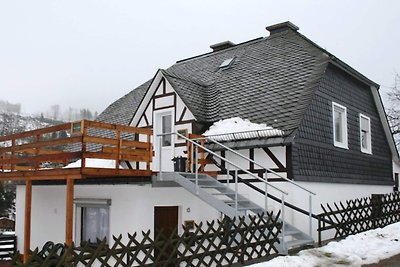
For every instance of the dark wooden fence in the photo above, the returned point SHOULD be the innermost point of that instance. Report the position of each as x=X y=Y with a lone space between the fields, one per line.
x=359 y=215
x=7 y=246
x=217 y=243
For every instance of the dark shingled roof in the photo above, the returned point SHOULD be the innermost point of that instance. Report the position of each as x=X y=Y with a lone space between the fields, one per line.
x=122 y=111
x=272 y=80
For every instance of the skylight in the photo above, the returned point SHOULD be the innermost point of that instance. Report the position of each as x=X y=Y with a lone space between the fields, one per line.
x=226 y=63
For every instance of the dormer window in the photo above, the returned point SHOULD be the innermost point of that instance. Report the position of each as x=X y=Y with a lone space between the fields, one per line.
x=339 y=114
x=365 y=134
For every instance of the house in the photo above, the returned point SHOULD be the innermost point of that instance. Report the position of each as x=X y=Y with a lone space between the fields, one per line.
x=326 y=134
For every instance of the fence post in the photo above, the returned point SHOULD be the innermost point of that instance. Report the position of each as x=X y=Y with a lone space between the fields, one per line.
x=319 y=231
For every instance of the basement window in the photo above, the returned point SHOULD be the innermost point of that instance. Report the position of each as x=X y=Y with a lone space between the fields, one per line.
x=339 y=114
x=92 y=220
x=365 y=134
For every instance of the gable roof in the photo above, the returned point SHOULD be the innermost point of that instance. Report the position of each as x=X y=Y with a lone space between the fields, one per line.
x=271 y=80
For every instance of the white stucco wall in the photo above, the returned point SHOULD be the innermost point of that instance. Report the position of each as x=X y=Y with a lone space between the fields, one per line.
x=131 y=210
x=325 y=193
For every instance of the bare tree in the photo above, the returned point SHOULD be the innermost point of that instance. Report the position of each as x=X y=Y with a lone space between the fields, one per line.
x=393 y=110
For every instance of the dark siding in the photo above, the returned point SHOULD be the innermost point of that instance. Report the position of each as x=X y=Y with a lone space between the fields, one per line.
x=316 y=159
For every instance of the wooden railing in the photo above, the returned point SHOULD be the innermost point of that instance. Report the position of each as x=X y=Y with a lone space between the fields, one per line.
x=55 y=147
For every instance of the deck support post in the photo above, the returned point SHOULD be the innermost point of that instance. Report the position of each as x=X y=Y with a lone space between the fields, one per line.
x=27 y=223
x=69 y=211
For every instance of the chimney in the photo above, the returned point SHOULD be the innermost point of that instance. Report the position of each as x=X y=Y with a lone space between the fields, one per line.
x=221 y=46
x=280 y=27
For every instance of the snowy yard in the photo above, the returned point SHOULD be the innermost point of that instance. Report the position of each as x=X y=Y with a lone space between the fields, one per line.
x=356 y=250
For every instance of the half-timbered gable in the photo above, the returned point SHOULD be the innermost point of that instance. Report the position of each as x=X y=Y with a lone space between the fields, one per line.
x=164 y=111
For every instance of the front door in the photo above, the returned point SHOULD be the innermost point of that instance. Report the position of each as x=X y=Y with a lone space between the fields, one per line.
x=164 y=123
x=165 y=225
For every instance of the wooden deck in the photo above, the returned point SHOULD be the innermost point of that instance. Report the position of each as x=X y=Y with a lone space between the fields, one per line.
x=45 y=154
x=71 y=151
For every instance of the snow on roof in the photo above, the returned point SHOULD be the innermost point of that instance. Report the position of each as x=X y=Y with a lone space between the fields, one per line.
x=356 y=250
x=238 y=129
x=94 y=163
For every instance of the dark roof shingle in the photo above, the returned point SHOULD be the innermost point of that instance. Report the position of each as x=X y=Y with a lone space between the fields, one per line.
x=271 y=80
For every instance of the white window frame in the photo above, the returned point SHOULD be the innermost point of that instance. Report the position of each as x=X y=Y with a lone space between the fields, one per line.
x=345 y=143
x=81 y=203
x=367 y=150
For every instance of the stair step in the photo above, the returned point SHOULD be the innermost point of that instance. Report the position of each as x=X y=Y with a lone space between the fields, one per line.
x=213 y=186
x=201 y=179
x=200 y=175
x=292 y=232
x=239 y=201
x=223 y=194
x=247 y=208
x=299 y=242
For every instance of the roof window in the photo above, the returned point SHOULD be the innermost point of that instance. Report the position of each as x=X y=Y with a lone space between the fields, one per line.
x=226 y=63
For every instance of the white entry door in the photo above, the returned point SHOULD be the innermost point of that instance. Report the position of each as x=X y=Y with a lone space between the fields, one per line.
x=164 y=123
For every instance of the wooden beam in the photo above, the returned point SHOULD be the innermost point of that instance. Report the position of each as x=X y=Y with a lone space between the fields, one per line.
x=69 y=219
x=45 y=174
x=27 y=223
x=102 y=172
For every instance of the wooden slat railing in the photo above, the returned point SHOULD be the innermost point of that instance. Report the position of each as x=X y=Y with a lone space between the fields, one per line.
x=56 y=146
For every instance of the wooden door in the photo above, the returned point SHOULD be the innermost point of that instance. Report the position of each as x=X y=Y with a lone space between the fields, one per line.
x=165 y=220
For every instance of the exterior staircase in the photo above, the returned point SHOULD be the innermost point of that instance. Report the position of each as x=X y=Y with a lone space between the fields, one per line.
x=232 y=204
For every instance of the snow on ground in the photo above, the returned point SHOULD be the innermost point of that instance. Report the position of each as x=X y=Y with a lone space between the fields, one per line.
x=356 y=250
x=94 y=163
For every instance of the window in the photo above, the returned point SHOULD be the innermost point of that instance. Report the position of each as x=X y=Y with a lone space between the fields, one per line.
x=226 y=63
x=166 y=127
x=92 y=219
x=365 y=134
x=339 y=114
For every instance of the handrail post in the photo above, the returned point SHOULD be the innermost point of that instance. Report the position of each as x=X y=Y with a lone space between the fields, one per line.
x=227 y=174
x=160 y=157
x=84 y=145
x=118 y=156
x=283 y=221
x=12 y=166
x=196 y=163
x=266 y=191
x=192 y=156
x=310 y=214
x=236 y=192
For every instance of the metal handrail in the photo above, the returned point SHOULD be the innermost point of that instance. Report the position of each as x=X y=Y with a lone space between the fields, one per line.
x=256 y=163
x=271 y=171
x=224 y=159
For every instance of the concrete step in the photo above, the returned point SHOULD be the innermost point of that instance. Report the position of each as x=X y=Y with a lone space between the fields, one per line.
x=298 y=243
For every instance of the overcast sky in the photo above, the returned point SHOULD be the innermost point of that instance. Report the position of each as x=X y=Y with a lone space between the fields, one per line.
x=84 y=53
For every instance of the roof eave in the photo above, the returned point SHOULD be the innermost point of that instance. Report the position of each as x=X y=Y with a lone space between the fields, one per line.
x=342 y=65
x=385 y=124
x=345 y=67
